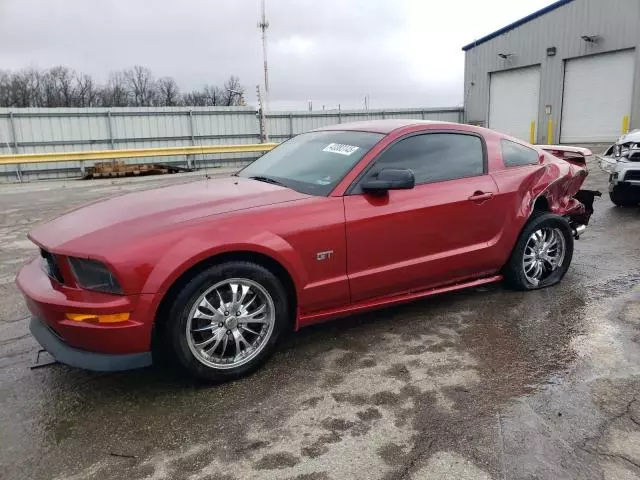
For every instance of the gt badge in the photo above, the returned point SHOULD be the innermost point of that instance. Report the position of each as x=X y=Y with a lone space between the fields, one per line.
x=320 y=256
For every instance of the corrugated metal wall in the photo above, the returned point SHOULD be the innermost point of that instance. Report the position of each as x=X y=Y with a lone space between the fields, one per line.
x=68 y=129
x=283 y=125
x=615 y=22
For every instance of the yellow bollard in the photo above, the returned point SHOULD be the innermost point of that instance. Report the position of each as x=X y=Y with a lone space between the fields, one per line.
x=550 y=131
x=625 y=124
x=532 y=132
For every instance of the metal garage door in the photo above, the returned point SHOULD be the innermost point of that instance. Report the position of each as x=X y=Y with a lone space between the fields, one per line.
x=513 y=101
x=597 y=96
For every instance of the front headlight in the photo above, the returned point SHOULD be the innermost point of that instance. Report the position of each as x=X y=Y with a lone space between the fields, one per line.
x=93 y=275
x=608 y=165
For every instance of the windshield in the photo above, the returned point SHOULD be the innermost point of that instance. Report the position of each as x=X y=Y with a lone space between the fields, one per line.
x=314 y=162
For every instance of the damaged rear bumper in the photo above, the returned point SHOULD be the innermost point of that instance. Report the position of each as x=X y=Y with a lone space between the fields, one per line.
x=586 y=198
x=579 y=221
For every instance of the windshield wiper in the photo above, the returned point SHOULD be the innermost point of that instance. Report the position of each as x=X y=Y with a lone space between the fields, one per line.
x=261 y=178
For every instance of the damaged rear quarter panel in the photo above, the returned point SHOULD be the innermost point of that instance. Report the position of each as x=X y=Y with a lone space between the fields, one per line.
x=561 y=185
x=554 y=180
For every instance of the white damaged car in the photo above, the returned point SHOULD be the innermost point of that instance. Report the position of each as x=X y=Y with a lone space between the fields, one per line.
x=622 y=162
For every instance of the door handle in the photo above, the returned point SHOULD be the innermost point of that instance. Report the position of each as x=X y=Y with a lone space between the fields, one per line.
x=481 y=196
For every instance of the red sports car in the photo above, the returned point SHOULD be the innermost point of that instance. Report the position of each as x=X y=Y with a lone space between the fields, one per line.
x=332 y=222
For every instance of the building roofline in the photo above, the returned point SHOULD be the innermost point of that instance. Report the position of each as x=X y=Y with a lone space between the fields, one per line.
x=522 y=21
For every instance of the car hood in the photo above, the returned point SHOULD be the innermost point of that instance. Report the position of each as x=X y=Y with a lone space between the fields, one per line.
x=131 y=215
x=633 y=136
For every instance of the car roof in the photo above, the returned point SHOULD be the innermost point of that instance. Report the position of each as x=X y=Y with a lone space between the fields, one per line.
x=381 y=126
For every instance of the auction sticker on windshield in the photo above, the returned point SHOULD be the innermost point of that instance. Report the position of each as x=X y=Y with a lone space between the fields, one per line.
x=340 y=148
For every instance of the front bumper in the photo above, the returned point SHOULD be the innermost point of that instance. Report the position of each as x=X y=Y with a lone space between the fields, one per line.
x=99 y=362
x=103 y=347
x=622 y=173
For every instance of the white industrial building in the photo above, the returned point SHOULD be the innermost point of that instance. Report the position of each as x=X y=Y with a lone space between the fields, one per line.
x=567 y=73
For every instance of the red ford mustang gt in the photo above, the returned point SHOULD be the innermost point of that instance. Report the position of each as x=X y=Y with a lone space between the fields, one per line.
x=332 y=222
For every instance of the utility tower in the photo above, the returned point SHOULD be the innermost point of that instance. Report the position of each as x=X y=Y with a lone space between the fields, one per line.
x=263 y=25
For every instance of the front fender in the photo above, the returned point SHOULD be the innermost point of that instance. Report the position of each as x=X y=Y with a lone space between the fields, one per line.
x=192 y=250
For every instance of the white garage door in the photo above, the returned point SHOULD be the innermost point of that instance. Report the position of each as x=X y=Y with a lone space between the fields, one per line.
x=597 y=95
x=513 y=101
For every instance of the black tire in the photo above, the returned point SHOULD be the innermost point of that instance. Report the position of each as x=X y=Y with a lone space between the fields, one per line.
x=514 y=272
x=174 y=329
x=624 y=197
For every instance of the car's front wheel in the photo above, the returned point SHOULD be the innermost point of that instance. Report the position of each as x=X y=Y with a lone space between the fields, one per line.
x=542 y=254
x=226 y=321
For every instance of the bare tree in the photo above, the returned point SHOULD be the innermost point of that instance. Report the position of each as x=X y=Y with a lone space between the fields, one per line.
x=212 y=95
x=50 y=97
x=24 y=88
x=63 y=87
x=233 y=93
x=115 y=93
x=168 y=92
x=5 y=89
x=86 y=92
x=195 y=98
x=141 y=85
x=58 y=89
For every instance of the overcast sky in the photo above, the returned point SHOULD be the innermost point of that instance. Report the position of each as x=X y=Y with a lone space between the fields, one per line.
x=402 y=53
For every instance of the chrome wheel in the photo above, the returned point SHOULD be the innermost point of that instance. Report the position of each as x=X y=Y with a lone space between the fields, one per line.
x=543 y=254
x=230 y=323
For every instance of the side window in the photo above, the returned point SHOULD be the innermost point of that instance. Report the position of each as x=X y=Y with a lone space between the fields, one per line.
x=434 y=157
x=516 y=155
x=609 y=151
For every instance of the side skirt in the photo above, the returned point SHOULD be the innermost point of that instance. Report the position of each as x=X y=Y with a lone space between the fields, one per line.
x=318 y=317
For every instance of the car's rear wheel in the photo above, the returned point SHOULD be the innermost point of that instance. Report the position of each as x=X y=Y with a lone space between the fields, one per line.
x=542 y=254
x=622 y=196
x=226 y=321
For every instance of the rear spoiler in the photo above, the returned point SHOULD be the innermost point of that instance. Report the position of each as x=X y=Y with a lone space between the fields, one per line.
x=576 y=155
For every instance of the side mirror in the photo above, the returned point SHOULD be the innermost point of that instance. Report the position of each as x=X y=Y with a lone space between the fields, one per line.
x=390 y=179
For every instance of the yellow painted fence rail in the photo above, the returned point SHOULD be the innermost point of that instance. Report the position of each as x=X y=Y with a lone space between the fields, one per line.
x=132 y=153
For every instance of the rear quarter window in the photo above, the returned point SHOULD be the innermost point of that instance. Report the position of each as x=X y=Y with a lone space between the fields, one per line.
x=516 y=155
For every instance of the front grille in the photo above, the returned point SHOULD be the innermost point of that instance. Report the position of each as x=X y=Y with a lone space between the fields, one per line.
x=634 y=156
x=50 y=265
x=632 y=175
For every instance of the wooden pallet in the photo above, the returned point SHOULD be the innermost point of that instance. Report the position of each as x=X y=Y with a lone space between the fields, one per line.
x=119 y=168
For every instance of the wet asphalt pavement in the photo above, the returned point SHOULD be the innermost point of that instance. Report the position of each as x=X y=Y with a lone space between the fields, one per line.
x=480 y=384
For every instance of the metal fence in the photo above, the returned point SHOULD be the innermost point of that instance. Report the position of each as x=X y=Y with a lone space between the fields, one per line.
x=40 y=130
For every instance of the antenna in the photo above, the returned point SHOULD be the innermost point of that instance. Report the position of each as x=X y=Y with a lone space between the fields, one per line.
x=263 y=25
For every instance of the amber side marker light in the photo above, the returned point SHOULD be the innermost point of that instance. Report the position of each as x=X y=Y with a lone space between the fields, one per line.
x=93 y=317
